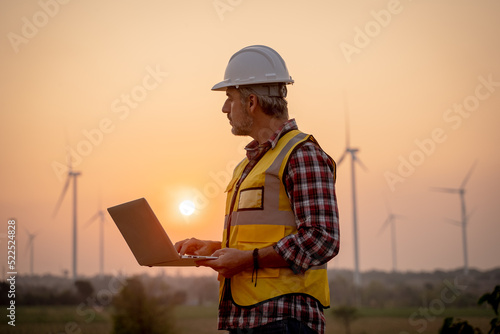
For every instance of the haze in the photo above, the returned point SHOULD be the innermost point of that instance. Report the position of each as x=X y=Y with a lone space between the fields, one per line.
x=123 y=87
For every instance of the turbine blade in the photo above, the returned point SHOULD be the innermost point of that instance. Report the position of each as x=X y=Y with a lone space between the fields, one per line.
x=453 y=222
x=347 y=127
x=469 y=173
x=361 y=164
x=31 y=235
x=399 y=216
x=470 y=214
x=68 y=155
x=384 y=225
x=61 y=197
x=342 y=158
x=93 y=218
x=445 y=190
x=31 y=238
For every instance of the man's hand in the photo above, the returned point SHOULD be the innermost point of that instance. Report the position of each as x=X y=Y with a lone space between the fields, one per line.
x=197 y=247
x=230 y=262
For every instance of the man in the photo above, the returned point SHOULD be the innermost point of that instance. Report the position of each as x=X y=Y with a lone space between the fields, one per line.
x=281 y=224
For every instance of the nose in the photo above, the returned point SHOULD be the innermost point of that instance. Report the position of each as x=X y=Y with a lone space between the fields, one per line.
x=226 y=108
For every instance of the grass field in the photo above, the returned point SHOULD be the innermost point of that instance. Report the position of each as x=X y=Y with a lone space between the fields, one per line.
x=203 y=320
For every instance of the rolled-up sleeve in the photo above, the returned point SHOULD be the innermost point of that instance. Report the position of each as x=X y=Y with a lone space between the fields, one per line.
x=310 y=183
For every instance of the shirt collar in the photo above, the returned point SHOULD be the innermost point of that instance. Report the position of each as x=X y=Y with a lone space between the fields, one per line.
x=254 y=149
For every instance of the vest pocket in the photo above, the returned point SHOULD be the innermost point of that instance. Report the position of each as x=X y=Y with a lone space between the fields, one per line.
x=259 y=236
x=251 y=199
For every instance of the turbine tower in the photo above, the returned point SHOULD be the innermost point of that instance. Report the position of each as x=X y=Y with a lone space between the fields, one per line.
x=72 y=175
x=354 y=159
x=102 y=219
x=461 y=192
x=391 y=221
x=31 y=247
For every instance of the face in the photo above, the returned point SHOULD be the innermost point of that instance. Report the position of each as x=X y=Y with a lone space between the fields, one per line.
x=237 y=114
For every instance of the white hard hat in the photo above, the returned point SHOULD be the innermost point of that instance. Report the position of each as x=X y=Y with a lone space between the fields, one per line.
x=257 y=65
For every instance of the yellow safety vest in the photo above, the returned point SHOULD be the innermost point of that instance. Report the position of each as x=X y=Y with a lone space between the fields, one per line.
x=258 y=214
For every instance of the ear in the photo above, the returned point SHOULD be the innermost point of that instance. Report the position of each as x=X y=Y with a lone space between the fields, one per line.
x=252 y=103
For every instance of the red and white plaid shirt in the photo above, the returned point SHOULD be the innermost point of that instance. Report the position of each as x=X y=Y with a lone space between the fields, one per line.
x=310 y=184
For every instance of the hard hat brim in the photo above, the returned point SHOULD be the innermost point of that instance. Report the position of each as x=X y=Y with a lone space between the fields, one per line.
x=223 y=85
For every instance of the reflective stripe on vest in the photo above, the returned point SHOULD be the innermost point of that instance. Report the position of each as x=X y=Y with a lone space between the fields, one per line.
x=258 y=215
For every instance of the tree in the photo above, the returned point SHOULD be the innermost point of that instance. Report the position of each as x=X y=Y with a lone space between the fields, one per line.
x=376 y=294
x=346 y=314
x=493 y=299
x=452 y=326
x=4 y=288
x=84 y=288
x=342 y=290
x=137 y=312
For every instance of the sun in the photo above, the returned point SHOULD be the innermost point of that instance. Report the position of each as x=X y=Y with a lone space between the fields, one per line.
x=187 y=207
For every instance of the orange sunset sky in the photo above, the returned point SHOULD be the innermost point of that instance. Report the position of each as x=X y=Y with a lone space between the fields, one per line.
x=124 y=87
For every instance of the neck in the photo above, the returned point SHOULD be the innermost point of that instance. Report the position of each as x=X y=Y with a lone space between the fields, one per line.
x=265 y=128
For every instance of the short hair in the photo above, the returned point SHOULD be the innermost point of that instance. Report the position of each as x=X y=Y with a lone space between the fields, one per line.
x=274 y=106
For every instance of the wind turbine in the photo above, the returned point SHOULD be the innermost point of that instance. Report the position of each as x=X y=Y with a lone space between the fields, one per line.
x=390 y=221
x=354 y=159
x=72 y=175
x=102 y=219
x=461 y=192
x=31 y=246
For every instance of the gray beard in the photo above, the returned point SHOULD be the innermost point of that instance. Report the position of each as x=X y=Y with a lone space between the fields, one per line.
x=244 y=128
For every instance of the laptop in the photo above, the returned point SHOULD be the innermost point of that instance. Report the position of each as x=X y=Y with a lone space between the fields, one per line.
x=146 y=237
